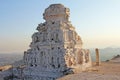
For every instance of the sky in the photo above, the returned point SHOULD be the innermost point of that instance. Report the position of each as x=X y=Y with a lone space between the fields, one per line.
x=96 y=21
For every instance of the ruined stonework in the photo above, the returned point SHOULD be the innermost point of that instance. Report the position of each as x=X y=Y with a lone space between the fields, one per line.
x=56 y=49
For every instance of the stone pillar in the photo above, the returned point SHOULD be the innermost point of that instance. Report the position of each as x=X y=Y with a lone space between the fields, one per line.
x=97 y=57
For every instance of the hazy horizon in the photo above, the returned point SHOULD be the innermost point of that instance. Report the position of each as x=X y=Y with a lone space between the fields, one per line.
x=96 y=21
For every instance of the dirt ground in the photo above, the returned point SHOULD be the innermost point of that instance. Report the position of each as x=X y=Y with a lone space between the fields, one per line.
x=106 y=71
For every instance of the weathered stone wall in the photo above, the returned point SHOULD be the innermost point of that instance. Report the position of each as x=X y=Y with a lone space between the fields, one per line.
x=55 y=48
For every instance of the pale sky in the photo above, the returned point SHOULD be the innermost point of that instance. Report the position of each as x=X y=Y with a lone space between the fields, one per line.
x=96 y=21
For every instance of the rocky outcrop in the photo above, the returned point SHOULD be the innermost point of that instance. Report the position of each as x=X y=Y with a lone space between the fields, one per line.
x=115 y=59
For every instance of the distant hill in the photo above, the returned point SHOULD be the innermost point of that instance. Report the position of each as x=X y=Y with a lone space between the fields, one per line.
x=105 y=53
x=9 y=58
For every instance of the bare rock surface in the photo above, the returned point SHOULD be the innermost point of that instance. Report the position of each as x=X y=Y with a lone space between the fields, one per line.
x=106 y=71
x=91 y=76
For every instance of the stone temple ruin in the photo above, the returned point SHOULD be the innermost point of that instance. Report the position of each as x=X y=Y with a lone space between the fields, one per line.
x=56 y=49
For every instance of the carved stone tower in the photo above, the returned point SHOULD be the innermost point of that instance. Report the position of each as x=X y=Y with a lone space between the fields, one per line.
x=56 y=48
